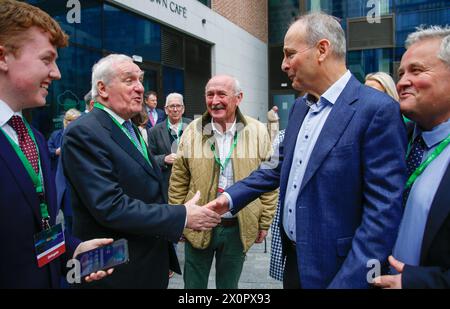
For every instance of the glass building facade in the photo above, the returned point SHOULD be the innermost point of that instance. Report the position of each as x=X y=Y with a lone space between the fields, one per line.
x=403 y=16
x=172 y=61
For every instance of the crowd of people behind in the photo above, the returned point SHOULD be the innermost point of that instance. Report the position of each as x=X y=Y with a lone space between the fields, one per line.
x=360 y=174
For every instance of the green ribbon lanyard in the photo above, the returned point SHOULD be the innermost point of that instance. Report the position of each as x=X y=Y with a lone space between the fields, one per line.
x=227 y=159
x=437 y=151
x=141 y=140
x=37 y=179
x=180 y=126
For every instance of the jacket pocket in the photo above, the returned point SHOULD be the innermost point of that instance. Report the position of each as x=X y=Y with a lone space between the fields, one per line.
x=343 y=246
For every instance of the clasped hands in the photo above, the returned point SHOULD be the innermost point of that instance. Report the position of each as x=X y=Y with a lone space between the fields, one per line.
x=206 y=217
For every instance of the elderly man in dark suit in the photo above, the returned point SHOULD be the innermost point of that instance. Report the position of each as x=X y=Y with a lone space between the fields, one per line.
x=163 y=139
x=421 y=256
x=29 y=39
x=341 y=170
x=116 y=183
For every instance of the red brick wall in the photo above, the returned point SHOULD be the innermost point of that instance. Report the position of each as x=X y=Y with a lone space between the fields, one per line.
x=251 y=15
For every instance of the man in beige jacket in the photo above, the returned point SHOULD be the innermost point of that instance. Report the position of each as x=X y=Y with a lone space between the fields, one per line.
x=215 y=151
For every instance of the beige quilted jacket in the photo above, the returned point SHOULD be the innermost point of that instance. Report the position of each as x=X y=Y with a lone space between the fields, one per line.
x=195 y=169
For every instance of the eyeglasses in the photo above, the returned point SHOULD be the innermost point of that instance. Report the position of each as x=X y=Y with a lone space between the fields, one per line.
x=177 y=106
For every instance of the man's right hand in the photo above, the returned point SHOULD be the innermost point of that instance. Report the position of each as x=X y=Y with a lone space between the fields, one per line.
x=200 y=218
x=219 y=205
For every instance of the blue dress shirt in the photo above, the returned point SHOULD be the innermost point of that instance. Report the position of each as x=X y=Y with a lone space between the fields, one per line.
x=306 y=140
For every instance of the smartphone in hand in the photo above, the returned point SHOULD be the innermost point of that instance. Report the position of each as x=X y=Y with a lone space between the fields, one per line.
x=103 y=258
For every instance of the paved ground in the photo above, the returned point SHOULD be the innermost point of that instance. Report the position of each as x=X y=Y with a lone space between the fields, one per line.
x=255 y=274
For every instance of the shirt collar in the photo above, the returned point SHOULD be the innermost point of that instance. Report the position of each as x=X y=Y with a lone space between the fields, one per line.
x=231 y=130
x=435 y=136
x=6 y=113
x=332 y=94
x=114 y=115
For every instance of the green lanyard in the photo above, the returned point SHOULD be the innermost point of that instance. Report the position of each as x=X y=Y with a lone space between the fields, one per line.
x=437 y=151
x=180 y=126
x=36 y=178
x=213 y=149
x=141 y=140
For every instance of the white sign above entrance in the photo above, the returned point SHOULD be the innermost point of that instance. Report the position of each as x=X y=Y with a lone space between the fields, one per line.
x=172 y=6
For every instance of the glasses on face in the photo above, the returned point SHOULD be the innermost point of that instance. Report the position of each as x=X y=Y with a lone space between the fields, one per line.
x=175 y=106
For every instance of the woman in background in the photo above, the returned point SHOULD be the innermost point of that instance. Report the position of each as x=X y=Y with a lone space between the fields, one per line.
x=383 y=82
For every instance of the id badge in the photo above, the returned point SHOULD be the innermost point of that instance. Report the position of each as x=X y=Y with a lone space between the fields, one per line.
x=49 y=244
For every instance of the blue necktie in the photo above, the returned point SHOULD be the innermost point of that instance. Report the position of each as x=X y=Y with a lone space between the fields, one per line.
x=127 y=124
x=413 y=161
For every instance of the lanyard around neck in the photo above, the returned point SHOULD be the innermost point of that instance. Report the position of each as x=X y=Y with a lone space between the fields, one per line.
x=227 y=159
x=144 y=151
x=180 y=126
x=419 y=170
x=36 y=178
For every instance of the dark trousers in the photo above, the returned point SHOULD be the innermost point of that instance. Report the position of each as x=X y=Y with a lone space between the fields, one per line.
x=291 y=277
x=227 y=247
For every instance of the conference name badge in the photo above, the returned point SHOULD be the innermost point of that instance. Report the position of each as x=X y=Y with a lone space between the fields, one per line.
x=49 y=244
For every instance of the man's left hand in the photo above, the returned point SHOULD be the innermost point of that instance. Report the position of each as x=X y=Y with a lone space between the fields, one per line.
x=391 y=282
x=261 y=235
x=89 y=245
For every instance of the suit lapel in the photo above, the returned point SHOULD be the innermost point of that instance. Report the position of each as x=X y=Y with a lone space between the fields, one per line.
x=439 y=211
x=124 y=142
x=164 y=133
x=334 y=126
x=49 y=180
x=20 y=175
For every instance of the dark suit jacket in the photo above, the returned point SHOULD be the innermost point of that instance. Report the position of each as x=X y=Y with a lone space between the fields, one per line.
x=20 y=219
x=160 y=146
x=161 y=117
x=434 y=269
x=349 y=205
x=115 y=193
x=54 y=142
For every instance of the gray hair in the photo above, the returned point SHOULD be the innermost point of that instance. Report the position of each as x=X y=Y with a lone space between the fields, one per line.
x=88 y=97
x=236 y=84
x=103 y=70
x=432 y=32
x=174 y=95
x=386 y=81
x=318 y=26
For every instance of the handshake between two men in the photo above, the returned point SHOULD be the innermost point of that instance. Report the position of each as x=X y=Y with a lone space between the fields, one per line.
x=206 y=217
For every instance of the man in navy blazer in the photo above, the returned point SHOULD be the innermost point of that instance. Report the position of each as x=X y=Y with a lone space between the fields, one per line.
x=421 y=256
x=155 y=115
x=29 y=39
x=341 y=171
x=116 y=185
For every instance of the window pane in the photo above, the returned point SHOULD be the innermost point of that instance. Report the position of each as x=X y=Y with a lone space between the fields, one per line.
x=88 y=31
x=173 y=81
x=75 y=64
x=130 y=34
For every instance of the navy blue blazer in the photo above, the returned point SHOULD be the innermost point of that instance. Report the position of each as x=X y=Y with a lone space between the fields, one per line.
x=115 y=193
x=434 y=269
x=349 y=205
x=161 y=117
x=54 y=142
x=20 y=219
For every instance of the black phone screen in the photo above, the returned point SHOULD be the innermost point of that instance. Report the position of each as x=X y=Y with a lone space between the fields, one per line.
x=104 y=257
